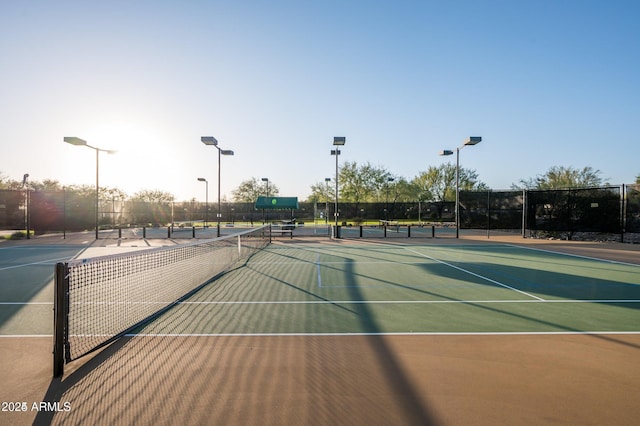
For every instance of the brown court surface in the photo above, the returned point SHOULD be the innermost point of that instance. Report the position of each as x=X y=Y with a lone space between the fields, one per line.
x=369 y=380
x=322 y=380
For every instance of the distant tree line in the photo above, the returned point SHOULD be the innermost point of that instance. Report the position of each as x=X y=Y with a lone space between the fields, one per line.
x=358 y=183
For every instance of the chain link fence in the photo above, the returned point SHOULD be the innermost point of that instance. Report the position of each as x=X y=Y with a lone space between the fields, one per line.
x=611 y=212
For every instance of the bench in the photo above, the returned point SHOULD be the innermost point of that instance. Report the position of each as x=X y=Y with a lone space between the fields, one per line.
x=282 y=232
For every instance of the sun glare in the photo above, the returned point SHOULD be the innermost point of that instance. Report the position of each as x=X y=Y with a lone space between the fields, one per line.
x=139 y=158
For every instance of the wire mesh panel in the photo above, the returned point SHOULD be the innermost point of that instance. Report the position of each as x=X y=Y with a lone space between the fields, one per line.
x=575 y=210
x=104 y=297
x=632 y=213
x=491 y=209
x=12 y=209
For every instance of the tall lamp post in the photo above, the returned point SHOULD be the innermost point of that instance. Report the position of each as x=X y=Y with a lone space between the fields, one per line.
x=266 y=180
x=337 y=141
x=81 y=142
x=206 y=211
x=326 y=204
x=210 y=140
x=27 y=207
x=472 y=140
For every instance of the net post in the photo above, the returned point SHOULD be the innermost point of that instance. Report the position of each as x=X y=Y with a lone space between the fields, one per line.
x=270 y=233
x=60 y=314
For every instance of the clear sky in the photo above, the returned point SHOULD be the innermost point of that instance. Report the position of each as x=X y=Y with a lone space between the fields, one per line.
x=544 y=82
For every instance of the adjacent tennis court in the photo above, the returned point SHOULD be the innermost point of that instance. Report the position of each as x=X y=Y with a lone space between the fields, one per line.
x=398 y=288
x=398 y=331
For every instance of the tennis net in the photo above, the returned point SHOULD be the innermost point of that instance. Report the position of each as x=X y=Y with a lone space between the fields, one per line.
x=100 y=299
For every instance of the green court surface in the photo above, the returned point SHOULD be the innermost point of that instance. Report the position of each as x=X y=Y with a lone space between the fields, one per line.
x=404 y=331
x=378 y=288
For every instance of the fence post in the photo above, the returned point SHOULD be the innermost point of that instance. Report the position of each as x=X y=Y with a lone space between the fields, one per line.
x=524 y=213
x=622 y=213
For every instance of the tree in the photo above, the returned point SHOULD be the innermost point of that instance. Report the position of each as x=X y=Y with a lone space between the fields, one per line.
x=439 y=183
x=400 y=190
x=321 y=192
x=363 y=183
x=250 y=190
x=638 y=179
x=559 y=177
x=3 y=181
x=152 y=196
x=7 y=183
x=46 y=185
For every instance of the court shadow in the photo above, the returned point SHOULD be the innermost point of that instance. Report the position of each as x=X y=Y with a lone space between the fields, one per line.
x=26 y=270
x=405 y=394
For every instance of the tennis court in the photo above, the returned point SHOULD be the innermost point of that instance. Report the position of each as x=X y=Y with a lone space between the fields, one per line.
x=397 y=331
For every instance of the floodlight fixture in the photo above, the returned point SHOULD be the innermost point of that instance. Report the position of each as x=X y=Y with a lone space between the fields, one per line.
x=74 y=140
x=81 y=142
x=202 y=179
x=473 y=140
x=470 y=141
x=209 y=140
x=337 y=141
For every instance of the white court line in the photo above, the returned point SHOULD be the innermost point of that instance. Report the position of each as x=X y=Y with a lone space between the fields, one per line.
x=574 y=255
x=318 y=267
x=473 y=273
x=24 y=335
x=417 y=302
x=42 y=262
x=353 y=302
x=418 y=333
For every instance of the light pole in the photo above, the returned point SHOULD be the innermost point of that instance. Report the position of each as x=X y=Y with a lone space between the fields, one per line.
x=210 y=140
x=206 y=211
x=267 y=192
x=337 y=141
x=27 y=207
x=472 y=140
x=81 y=142
x=326 y=204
